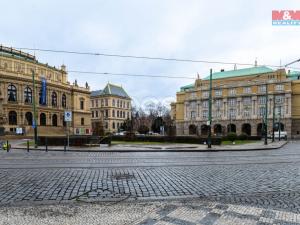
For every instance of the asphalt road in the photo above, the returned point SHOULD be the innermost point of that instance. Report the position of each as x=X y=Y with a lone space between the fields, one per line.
x=262 y=178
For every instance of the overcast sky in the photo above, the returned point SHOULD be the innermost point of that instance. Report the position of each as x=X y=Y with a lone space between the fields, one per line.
x=237 y=31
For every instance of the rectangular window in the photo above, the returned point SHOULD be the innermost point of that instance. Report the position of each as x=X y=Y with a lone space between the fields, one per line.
x=218 y=93
x=97 y=114
x=205 y=94
x=204 y=114
x=205 y=104
x=247 y=101
x=81 y=104
x=261 y=111
x=97 y=105
x=232 y=113
x=193 y=104
x=247 y=112
x=93 y=114
x=102 y=102
x=232 y=102
x=218 y=114
x=247 y=90
x=262 y=100
x=279 y=87
x=218 y=103
x=232 y=92
x=106 y=102
x=92 y=103
x=106 y=113
x=193 y=114
x=279 y=99
x=262 y=89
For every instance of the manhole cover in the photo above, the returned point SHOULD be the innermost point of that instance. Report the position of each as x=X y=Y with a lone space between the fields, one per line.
x=122 y=176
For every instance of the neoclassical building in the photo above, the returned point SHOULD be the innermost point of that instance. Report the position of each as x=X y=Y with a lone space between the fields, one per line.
x=53 y=95
x=110 y=108
x=239 y=101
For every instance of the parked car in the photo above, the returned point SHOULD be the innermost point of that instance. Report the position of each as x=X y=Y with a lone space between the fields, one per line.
x=283 y=135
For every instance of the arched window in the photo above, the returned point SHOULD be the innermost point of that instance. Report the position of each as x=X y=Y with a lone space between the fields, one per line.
x=54 y=99
x=54 y=120
x=12 y=118
x=28 y=95
x=43 y=119
x=28 y=117
x=64 y=101
x=12 y=93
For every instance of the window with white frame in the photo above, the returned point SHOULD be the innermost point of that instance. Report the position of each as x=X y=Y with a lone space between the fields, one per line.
x=279 y=87
x=247 y=100
x=218 y=93
x=218 y=113
x=218 y=103
x=204 y=114
x=205 y=94
x=261 y=111
x=193 y=105
x=205 y=104
x=193 y=95
x=231 y=102
x=262 y=88
x=193 y=114
x=247 y=112
x=279 y=99
x=261 y=100
x=247 y=90
x=232 y=91
x=232 y=113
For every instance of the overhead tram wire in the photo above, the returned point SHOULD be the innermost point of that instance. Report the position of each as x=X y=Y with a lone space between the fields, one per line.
x=148 y=57
x=117 y=74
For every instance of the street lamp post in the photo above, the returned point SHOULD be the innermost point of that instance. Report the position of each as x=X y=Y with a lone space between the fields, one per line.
x=266 y=116
x=273 y=130
x=209 y=110
x=279 y=123
x=34 y=111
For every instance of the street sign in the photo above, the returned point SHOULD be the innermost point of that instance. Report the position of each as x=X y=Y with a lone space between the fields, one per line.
x=68 y=116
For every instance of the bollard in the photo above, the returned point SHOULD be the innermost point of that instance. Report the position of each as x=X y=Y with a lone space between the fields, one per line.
x=27 y=146
x=65 y=147
x=46 y=144
x=7 y=146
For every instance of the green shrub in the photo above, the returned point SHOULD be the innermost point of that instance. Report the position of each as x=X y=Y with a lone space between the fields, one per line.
x=231 y=136
x=243 y=136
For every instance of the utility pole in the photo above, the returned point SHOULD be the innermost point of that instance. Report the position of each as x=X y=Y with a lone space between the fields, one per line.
x=273 y=130
x=266 y=115
x=34 y=111
x=209 y=110
x=279 y=123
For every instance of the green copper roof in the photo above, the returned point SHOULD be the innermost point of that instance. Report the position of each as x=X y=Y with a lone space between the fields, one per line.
x=240 y=72
x=111 y=89
x=293 y=75
x=187 y=87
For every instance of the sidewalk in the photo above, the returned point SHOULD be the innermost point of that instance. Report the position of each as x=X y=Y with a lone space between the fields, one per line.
x=162 y=147
x=190 y=212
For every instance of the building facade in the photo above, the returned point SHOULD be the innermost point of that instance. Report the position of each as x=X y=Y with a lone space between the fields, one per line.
x=52 y=95
x=239 y=100
x=110 y=108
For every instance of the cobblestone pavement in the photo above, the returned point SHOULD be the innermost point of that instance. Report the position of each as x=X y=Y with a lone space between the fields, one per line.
x=147 y=213
x=269 y=179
